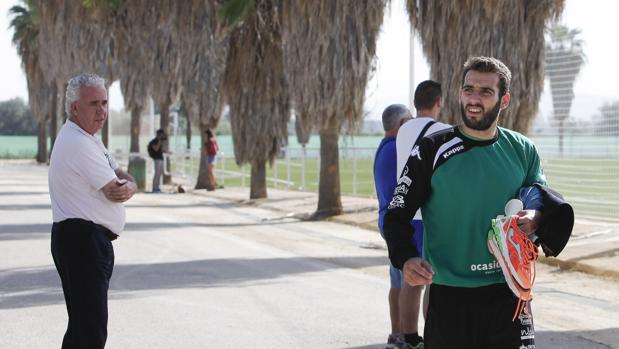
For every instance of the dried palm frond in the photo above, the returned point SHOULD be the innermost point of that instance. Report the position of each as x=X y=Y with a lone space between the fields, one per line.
x=26 y=25
x=329 y=52
x=204 y=50
x=75 y=39
x=255 y=86
x=329 y=49
x=451 y=31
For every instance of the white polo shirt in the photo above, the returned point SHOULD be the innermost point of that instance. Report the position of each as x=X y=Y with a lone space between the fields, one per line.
x=405 y=140
x=79 y=167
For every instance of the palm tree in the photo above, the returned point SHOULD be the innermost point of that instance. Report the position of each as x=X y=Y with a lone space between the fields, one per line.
x=256 y=90
x=329 y=48
x=25 y=24
x=74 y=39
x=109 y=38
x=564 y=59
x=134 y=32
x=48 y=61
x=203 y=39
x=511 y=30
x=165 y=53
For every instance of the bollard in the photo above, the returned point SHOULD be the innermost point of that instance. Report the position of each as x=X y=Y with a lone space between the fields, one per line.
x=137 y=168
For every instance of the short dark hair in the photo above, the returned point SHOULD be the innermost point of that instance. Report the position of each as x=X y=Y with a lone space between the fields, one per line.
x=490 y=65
x=160 y=131
x=393 y=114
x=426 y=94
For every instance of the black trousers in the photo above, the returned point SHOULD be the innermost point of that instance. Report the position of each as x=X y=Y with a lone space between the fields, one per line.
x=476 y=318
x=84 y=257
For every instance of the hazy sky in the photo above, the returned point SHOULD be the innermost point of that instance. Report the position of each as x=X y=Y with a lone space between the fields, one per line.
x=596 y=83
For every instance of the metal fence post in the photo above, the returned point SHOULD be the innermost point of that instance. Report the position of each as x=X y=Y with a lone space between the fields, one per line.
x=318 y=168
x=288 y=168
x=275 y=173
x=223 y=168
x=354 y=173
x=242 y=176
x=303 y=156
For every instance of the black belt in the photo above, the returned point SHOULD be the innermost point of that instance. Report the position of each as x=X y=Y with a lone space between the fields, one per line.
x=110 y=235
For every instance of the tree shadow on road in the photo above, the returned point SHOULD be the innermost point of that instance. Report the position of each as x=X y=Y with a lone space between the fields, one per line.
x=25 y=231
x=184 y=206
x=22 y=288
x=25 y=207
x=594 y=339
x=42 y=230
x=607 y=338
x=142 y=226
x=21 y=193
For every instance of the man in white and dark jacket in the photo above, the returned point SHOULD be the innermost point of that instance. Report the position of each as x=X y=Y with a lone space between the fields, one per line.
x=87 y=190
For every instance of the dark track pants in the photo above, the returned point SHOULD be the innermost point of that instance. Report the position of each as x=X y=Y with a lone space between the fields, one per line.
x=84 y=257
x=476 y=318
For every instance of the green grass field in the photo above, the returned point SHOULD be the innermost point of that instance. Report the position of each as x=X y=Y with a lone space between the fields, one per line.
x=279 y=177
x=591 y=185
x=18 y=147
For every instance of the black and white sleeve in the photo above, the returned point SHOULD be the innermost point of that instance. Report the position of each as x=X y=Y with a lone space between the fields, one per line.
x=411 y=192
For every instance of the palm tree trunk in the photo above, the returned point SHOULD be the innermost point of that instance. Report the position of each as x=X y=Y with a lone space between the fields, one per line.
x=42 y=142
x=105 y=133
x=164 y=124
x=188 y=133
x=203 y=177
x=329 y=198
x=62 y=100
x=53 y=132
x=137 y=164
x=136 y=112
x=258 y=186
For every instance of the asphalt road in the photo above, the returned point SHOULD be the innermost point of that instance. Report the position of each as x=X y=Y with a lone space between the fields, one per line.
x=197 y=272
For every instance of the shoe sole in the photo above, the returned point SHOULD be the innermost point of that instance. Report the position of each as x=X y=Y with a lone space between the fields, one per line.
x=525 y=284
x=508 y=277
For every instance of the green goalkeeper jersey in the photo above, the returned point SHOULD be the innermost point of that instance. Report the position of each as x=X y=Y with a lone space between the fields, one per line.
x=460 y=183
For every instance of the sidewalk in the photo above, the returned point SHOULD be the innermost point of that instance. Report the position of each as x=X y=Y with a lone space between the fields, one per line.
x=593 y=248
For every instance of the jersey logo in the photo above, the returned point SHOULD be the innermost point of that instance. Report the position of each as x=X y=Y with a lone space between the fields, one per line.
x=416 y=153
x=405 y=179
x=401 y=189
x=397 y=201
x=405 y=171
x=453 y=151
x=447 y=150
x=488 y=268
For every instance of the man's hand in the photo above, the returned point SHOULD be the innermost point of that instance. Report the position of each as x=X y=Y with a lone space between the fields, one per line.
x=416 y=272
x=529 y=221
x=119 y=190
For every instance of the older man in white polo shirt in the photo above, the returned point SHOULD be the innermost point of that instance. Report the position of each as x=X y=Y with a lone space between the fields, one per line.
x=87 y=189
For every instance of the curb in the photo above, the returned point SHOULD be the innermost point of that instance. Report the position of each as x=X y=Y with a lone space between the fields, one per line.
x=580 y=267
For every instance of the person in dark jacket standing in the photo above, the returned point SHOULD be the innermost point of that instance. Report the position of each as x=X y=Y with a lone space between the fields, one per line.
x=155 y=151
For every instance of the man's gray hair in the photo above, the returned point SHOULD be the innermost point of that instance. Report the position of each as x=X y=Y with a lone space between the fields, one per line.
x=74 y=85
x=393 y=114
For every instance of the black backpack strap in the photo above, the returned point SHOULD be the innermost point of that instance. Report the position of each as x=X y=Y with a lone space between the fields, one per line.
x=423 y=131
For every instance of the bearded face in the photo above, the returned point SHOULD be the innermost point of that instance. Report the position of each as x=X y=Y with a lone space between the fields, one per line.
x=487 y=119
x=481 y=101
